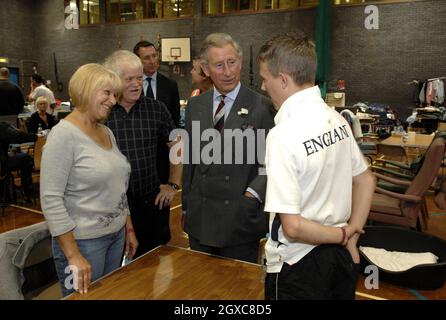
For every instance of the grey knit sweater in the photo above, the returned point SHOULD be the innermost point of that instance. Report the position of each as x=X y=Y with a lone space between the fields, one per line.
x=82 y=185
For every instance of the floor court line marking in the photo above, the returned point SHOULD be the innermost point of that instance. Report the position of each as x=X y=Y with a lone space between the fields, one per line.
x=25 y=208
x=176 y=207
x=369 y=296
x=437 y=214
x=173 y=208
x=40 y=212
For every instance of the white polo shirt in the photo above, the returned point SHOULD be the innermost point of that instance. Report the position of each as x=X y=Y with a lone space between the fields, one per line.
x=311 y=157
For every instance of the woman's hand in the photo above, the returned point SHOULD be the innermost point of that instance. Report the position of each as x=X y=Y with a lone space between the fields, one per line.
x=78 y=265
x=131 y=243
x=81 y=269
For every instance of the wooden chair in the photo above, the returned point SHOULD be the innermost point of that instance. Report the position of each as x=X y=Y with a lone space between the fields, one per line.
x=389 y=152
x=405 y=209
x=37 y=156
x=38 y=146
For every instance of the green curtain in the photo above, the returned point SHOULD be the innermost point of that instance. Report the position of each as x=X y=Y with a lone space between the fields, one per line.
x=323 y=44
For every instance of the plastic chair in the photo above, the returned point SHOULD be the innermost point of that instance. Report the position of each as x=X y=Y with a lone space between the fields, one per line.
x=367 y=145
x=26 y=263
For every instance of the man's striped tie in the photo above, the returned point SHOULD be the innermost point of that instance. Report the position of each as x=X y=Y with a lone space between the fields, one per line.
x=219 y=118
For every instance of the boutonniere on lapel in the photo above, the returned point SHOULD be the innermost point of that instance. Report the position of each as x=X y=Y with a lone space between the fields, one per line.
x=243 y=112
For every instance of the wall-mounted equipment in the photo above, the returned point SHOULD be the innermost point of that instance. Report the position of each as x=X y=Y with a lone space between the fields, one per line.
x=175 y=50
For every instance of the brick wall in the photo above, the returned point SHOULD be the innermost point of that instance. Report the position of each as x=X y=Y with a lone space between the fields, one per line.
x=375 y=64
x=17 y=33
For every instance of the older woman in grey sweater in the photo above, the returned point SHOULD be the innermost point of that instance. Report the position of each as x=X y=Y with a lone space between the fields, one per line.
x=84 y=179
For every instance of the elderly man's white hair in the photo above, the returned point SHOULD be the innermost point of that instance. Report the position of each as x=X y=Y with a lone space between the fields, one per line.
x=121 y=59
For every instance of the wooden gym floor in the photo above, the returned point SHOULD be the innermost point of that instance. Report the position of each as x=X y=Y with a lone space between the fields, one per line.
x=18 y=216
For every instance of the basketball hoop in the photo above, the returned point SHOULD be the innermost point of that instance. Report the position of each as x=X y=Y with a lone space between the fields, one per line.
x=175 y=50
x=175 y=53
x=172 y=60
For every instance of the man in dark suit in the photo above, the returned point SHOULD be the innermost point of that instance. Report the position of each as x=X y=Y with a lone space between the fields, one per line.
x=222 y=198
x=11 y=97
x=161 y=87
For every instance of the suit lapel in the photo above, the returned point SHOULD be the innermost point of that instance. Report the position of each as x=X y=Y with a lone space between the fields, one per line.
x=205 y=111
x=242 y=100
x=159 y=86
x=206 y=118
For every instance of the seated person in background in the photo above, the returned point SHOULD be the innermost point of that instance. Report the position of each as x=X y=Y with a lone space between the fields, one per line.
x=200 y=81
x=38 y=88
x=41 y=117
x=18 y=161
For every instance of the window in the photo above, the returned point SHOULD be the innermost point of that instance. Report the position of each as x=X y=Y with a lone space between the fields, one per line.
x=131 y=10
x=340 y=2
x=211 y=7
x=267 y=4
x=89 y=10
x=178 y=8
x=350 y=2
x=228 y=6
x=147 y=9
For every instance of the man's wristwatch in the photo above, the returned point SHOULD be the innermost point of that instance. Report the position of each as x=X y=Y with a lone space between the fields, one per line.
x=174 y=186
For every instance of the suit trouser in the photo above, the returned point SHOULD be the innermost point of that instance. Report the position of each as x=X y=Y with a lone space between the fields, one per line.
x=247 y=251
x=150 y=223
x=23 y=162
x=327 y=272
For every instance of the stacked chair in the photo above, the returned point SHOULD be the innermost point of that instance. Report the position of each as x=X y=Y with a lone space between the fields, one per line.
x=401 y=200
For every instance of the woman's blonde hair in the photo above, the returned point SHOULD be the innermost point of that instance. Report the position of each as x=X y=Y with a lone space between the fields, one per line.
x=89 y=79
x=41 y=99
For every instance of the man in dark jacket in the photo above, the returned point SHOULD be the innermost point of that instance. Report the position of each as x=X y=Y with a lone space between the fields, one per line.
x=18 y=161
x=11 y=97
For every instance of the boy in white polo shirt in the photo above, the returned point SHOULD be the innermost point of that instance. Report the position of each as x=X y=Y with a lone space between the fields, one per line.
x=319 y=188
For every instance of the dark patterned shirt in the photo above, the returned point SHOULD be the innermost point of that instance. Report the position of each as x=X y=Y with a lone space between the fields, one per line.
x=137 y=134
